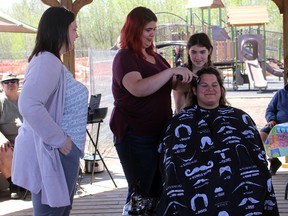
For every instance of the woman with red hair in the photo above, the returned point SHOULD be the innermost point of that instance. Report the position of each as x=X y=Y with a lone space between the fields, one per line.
x=142 y=85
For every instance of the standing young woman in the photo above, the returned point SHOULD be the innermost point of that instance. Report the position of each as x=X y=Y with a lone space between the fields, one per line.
x=199 y=49
x=54 y=109
x=142 y=84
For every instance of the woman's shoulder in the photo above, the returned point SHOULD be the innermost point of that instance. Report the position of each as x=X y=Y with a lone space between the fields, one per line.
x=45 y=61
x=125 y=58
x=187 y=112
x=45 y=65
x=124 y=55
x=234 y=113
x=46 y=57
x=282 y=91
x=125 y=52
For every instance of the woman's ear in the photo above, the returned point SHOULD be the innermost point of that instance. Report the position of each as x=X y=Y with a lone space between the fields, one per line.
x=194 y=90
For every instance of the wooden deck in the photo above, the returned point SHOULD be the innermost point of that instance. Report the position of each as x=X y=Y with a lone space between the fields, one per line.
x=102 y=198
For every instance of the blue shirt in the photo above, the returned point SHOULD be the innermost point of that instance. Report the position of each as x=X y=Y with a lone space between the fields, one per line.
x=277 y=109
x=75 y=111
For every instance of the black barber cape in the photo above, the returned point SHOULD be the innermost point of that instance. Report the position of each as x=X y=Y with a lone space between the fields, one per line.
x=213 y=163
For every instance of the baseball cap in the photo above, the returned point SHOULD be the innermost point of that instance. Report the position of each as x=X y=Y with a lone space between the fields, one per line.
x=9 y=76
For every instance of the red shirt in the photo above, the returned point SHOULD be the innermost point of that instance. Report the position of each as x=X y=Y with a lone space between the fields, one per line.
x=146 y=116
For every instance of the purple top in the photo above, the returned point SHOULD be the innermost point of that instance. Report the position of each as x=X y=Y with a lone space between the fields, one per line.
x=146 y=116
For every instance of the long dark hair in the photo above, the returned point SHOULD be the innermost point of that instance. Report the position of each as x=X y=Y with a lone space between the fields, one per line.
x=52 y=31
x=192 y=98
x=200 y=39
x=131 y=32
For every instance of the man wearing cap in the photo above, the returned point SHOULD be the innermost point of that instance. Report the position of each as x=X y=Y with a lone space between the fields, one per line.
x=276 y=113
x=10 y=121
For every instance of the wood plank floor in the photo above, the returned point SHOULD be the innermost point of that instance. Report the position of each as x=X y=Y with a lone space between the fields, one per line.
x=102 y=198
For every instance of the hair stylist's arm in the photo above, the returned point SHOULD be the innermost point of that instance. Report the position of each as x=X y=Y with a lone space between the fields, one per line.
x=66 y=149
x=142 y=87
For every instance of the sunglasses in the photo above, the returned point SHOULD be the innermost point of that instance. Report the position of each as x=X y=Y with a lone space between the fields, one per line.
x=10 y=81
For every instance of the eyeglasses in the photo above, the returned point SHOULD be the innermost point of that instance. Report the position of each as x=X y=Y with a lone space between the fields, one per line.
x=10 y=81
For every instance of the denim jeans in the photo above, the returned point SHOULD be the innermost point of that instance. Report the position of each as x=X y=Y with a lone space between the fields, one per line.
x=139 y=158
x=70 y=165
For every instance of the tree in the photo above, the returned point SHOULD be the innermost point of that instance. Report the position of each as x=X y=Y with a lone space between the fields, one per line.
x=100 y=22
x=19 y=45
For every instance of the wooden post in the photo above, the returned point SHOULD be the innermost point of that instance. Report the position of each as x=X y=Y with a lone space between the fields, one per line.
x=285 y=38
x=283 y=8
x=52 y=3
x=285 y=49
x=69 y=58
x=69 y=61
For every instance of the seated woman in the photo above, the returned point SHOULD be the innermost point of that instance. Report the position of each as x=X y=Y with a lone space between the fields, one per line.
x=276 y=113
x=212 y=158
x=10 y=121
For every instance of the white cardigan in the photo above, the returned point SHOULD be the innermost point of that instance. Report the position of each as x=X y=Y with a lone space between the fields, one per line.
x=36 y=163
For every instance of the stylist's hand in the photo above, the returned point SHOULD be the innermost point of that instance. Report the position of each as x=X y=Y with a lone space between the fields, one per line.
x=66 y=149
x=184 y=74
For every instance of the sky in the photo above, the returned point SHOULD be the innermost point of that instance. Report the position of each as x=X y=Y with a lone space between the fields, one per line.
x=7 y=3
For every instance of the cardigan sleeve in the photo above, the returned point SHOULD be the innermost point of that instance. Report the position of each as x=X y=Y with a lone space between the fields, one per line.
x=41 y=82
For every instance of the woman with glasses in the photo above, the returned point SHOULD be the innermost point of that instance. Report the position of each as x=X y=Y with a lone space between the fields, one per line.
x=54 y=109
x=10 y=121
x=212 y=159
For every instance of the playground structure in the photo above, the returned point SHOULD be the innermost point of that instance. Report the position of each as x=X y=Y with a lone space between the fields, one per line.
x=238 y=48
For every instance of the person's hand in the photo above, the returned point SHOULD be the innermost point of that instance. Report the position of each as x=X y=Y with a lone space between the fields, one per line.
x=66 y=149
x=271 y=124
x=5 y=146
x=184 y=74
x=6 y=155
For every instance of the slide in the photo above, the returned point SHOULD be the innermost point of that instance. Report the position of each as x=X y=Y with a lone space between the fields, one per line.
x=274 y=71
x=257 y=46
x=255 y=74
x=247 y=54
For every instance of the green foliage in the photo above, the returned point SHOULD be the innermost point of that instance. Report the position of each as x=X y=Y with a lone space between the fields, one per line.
x=104 y=19
x=100 y=22
x=18 y=45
